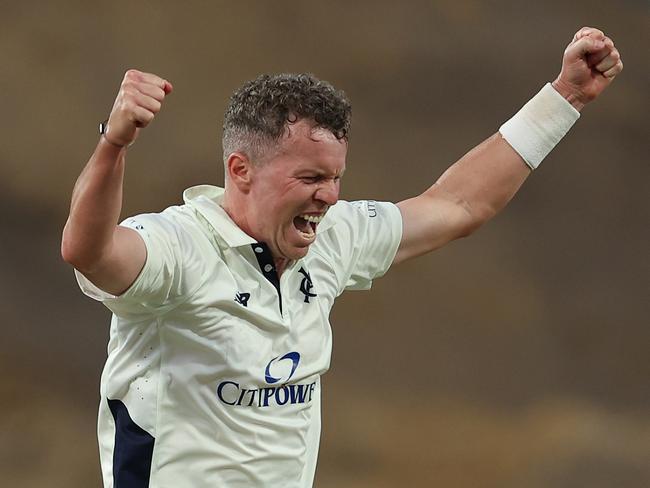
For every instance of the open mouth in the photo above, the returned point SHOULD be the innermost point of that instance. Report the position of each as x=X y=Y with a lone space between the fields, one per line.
x=306 y=225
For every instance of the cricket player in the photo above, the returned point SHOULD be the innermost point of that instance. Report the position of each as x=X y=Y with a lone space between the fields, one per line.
x=220 y=329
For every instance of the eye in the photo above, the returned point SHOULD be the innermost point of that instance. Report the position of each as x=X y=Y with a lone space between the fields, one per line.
x=310 y=179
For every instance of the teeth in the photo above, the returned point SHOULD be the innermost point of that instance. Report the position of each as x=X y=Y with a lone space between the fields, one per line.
x=308 y=235
x=312 y=218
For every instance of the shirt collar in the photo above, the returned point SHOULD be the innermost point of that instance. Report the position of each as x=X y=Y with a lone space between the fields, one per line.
x=206 y=199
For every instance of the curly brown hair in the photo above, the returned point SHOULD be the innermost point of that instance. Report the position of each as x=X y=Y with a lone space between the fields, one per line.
x=259 y=111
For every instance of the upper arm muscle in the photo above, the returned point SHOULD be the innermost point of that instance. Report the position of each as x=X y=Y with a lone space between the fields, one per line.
x=429 y=221
x=117 y=271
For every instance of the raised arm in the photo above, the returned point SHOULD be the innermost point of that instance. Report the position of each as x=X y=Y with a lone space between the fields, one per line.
x=109 y=255
x=482 y=182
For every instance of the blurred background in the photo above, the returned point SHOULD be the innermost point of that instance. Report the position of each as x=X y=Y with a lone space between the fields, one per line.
x=516 y=358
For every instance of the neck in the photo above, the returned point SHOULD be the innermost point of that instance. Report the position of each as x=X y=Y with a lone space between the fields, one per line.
x=280 y=265
x=229 y=203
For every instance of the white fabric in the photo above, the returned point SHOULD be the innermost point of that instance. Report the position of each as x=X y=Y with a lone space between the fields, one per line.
x=540 y=124
x=182 y=349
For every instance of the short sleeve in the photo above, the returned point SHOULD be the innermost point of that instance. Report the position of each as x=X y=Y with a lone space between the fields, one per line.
x=159 y=281
x=363 y=242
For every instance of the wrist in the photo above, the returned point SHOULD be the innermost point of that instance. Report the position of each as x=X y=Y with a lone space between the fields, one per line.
x=104 y=140
x=540 y=125
x=103 y=130
x=569 y=94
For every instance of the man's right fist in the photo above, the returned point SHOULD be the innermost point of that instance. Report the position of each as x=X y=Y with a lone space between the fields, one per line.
x=138 y=101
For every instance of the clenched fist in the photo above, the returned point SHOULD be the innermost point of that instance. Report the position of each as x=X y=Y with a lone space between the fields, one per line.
x=137 y=103
x=590 y=63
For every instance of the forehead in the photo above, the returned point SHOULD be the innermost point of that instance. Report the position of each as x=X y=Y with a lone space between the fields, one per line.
x=303 y=144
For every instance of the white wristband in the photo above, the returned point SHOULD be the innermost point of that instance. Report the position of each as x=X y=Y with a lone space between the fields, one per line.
x=540 y=124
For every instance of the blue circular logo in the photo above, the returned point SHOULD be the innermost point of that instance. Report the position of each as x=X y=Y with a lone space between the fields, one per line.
x=293 y=356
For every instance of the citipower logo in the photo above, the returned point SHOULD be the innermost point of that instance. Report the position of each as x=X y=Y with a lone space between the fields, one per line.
x=278 y=370
x=295 y=359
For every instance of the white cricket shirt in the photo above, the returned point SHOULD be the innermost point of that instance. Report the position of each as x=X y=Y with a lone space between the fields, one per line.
x=213 y=370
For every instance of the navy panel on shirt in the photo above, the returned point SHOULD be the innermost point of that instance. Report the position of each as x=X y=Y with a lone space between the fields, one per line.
x=267 y=266
x=133 y=450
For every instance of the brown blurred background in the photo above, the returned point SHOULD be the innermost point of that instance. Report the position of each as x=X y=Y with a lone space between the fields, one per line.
x=515 y=358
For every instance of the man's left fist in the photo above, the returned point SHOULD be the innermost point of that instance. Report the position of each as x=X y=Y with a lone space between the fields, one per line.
x=590 y=63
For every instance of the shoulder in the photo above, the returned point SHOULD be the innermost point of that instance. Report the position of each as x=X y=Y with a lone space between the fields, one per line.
x=348 y=226
x=354 y=216
x=346 y=213
x=177 y=229
x=173 y=221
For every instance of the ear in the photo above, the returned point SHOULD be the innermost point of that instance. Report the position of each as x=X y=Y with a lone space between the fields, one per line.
x=240 y=171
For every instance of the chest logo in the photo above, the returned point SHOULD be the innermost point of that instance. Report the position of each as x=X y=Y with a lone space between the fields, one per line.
x=306 y=285
x=277 y=373
x=293 y=356
x=242 y=298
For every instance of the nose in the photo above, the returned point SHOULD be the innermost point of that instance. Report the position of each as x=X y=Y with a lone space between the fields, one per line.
x=328 y=192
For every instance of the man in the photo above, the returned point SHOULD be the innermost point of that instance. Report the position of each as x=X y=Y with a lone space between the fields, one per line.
x=220 y=306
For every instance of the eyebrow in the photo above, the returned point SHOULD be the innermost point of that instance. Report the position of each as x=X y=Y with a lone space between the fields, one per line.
x=318 y=172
